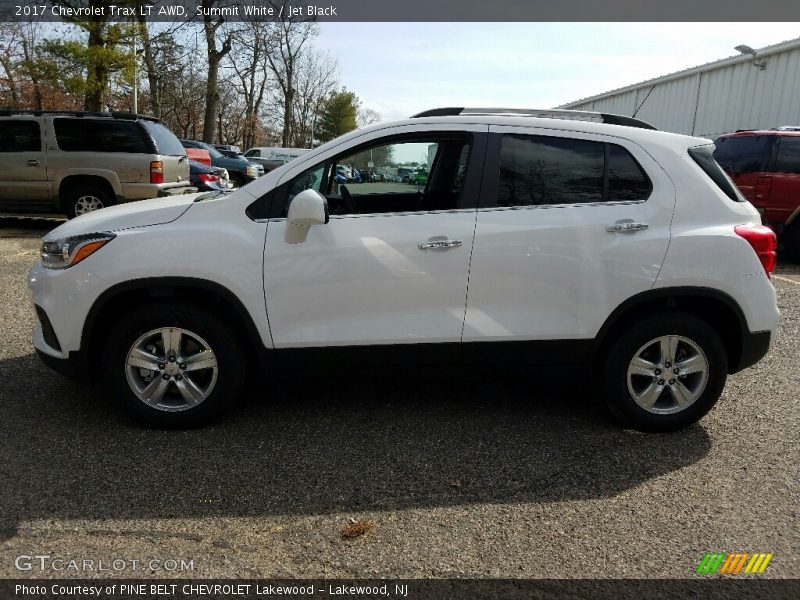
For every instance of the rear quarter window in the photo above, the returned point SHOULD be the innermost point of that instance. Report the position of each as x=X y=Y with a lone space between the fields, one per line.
x=704 y=157
x=742 y=154
x=166 y=142
x=788 y=158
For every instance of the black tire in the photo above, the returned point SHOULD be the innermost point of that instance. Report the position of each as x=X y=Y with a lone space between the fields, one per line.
x=637 y=334
x=79 y=198
x=790 y=240
x=194 y=321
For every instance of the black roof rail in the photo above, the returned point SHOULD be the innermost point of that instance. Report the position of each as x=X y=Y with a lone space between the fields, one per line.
x=577 y=115
x=76 y=113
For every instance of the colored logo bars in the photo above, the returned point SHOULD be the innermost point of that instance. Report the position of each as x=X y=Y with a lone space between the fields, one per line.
x=734 y=563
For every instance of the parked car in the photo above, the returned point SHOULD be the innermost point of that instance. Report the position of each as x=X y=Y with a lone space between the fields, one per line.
x=581 y=240
x=209 y=179
x=765 y=165
x=76 y=162
x=241 y=170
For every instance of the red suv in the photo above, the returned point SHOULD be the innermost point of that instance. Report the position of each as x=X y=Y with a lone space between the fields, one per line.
x=765 y=165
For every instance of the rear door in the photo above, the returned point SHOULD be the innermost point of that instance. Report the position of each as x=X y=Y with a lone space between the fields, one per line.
x=23 y=176
x=570 y=226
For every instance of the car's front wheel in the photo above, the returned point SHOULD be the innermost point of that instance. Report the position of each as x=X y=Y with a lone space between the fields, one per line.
x=174 y=365
x=665 y=372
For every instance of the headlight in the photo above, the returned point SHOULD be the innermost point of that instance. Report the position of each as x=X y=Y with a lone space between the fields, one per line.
x=251 y=171
x=69 y=251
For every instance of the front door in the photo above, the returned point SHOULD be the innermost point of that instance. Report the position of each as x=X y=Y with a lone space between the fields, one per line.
x=390 y=269
x=23 y=177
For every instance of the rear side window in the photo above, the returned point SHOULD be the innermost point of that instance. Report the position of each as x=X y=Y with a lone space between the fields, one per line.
x=742 y=154
x=543 y=170
x=788 y=159
x=704 y=157
x=626 y=179
x=166 y=141
x=87 y=135
x=20 y=136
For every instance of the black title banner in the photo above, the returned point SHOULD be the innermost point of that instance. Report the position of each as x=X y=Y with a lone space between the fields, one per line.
x=398 y=11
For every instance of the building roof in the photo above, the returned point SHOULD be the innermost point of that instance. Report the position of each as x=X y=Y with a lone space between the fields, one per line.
x=717 y=64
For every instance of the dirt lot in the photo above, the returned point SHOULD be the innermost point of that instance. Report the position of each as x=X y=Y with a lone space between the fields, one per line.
x=475 y=477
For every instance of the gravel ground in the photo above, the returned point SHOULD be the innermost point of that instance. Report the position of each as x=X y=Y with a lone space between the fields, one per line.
x=477 y=477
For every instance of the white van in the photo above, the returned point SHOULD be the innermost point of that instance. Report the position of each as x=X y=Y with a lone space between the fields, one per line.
x=273 y=158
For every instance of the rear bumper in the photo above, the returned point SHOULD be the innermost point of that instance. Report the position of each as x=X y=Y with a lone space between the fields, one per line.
x=754 y=347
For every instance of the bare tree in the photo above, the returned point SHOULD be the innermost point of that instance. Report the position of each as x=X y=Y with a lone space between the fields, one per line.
x=316 y=80
x=290 y=41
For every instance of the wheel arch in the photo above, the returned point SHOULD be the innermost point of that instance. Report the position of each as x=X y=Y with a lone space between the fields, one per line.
x=719 y=309
x=70 y=182
x=112 y=303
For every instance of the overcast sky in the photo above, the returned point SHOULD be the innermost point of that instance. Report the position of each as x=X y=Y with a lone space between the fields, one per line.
x=402 y=68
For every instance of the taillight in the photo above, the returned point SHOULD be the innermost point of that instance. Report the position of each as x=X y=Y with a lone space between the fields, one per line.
x=207 y=177
x=156 y=172
x=763 y=241
x=762 y=188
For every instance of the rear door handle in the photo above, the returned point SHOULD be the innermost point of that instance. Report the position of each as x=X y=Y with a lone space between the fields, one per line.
x=436 y=244
x=33 y=163
x=626 y=226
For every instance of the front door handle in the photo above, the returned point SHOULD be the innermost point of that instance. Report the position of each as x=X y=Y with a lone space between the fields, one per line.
x=33 y=163
x=626 y=226
x=437 y=244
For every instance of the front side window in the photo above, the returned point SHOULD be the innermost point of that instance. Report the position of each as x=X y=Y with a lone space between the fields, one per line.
x=788 y=159
x=544 y=170
x=87 y=135
x=406 y=176
x=256 y=153
x=20 y=136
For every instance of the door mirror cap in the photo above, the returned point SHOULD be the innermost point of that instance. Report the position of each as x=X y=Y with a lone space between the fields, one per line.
x=307 y=208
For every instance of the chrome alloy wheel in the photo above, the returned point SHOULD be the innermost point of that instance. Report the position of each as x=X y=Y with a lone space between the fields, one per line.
x=171 y=369
x=667 y=374
x=87 y=203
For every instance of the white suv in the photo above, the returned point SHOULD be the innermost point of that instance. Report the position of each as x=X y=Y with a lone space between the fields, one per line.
x=540 y=238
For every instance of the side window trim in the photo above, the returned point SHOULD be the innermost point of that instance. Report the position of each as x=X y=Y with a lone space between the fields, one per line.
x=491 y=178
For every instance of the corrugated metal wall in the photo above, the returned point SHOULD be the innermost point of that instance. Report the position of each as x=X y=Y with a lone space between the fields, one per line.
x=714 y=101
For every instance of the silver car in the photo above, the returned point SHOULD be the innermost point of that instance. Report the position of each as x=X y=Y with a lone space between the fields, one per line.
x=78 y=162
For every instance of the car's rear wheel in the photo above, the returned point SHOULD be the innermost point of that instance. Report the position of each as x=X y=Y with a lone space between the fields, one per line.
x=86 y=199
x=174 y=365
x=665 y=372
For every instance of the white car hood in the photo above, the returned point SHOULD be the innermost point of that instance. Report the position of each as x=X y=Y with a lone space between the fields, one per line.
x=126 y=216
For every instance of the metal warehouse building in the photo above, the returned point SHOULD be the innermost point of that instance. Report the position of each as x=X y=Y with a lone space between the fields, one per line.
x=743 y=92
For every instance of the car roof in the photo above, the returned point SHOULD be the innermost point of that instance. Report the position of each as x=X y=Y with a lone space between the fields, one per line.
x=759 y=132
x=635 y=134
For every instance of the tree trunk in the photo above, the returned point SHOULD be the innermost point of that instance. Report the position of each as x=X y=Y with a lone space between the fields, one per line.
x=153 y=78
x=97 y=77
x=12 y=82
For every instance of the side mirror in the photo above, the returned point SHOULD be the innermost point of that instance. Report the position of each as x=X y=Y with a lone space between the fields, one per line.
x=307 y=208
